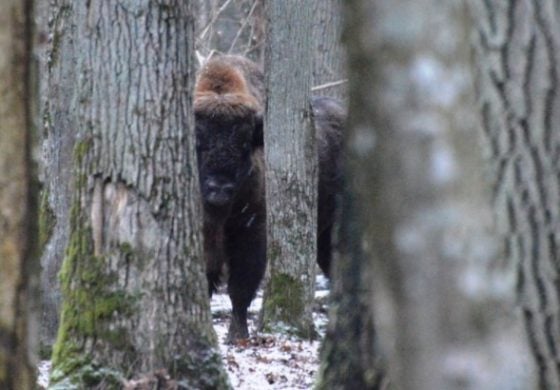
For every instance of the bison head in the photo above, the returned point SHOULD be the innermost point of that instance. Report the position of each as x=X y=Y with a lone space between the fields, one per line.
x=228 y=129
x=224 y=144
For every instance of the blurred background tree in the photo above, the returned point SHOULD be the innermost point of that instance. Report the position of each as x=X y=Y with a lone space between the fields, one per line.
x=18 y=192
x=419 y=256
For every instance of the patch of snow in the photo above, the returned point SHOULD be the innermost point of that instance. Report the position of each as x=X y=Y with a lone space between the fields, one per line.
x=322 y=284
x=270 y=361
x=43 y=368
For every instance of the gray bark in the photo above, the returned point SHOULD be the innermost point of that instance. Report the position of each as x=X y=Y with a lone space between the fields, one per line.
x=517 y=46
x=441 y=297
x=17 y=197
x=291 y=169
x=329 y=73
x=59 y=93
x=134 y=292
x=350 y=354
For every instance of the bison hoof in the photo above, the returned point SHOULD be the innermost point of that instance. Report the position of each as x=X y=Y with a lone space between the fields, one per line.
x=236 y=334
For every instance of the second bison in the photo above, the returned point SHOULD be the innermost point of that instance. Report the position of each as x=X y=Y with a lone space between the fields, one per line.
x=229 y=103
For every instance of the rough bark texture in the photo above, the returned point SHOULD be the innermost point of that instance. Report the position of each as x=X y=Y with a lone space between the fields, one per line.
x=59 y=93
x=517 y=46
x=134 y=292
x=441 y=298
x=17 y=197
x=328 y=53
x=350 y=355
x=291 y=169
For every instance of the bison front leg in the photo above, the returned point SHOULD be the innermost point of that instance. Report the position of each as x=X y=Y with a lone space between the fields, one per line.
x=247 y=250
x=215 y=254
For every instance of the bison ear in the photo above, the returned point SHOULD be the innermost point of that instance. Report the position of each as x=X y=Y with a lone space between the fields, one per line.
x=258 y=137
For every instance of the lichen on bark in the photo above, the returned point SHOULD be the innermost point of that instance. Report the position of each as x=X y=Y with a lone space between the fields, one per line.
x=89 y=307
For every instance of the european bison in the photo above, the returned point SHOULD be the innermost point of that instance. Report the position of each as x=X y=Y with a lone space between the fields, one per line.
x=229 y=103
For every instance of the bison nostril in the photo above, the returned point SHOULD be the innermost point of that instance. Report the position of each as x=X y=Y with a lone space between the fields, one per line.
x=227 y=187
x=219 y=185
x=212 y=185
x=218 y=191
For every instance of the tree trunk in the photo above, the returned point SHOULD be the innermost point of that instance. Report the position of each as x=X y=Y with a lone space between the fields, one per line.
x=328 y=53
x=441 y=299
x=350 y=354
x=59 y=92
x=17 y=197
x=291 y=169
x=134 y=292
x=517 y=46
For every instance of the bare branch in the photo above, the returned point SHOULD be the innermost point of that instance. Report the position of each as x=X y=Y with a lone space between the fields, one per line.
x=213 y=19
x=328 y=85
x=243 y=25
x=200 y=58
x=256 y=46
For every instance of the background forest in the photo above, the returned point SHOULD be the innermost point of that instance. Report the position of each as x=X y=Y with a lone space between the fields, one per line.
x=446 y=268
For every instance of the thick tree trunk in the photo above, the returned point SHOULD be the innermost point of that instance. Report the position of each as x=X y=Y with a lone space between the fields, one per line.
x=442 y=301
x=350 y=354
x=291 y=169
x=134 y=292
x=517 y=47
x=59 y=92
x=329 y=72
x=17 y=197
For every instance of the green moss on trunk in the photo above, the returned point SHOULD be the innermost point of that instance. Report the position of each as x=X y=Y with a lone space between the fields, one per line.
x=90 y=304
x=59 y=20
x=284 y=306
x=47 y=220
x=81 y=149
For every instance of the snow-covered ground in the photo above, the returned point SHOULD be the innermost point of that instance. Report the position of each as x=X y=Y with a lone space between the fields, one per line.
x=269 y=361
x=265 y=361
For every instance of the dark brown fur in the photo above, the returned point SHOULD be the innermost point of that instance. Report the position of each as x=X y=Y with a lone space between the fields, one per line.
x=228 y=112
x=229 y=101
x=329 y=117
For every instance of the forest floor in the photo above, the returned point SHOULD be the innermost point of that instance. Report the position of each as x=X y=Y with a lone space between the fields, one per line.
x=265 y=361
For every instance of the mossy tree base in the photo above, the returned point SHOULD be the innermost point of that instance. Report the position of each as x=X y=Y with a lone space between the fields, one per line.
x=283 y=308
